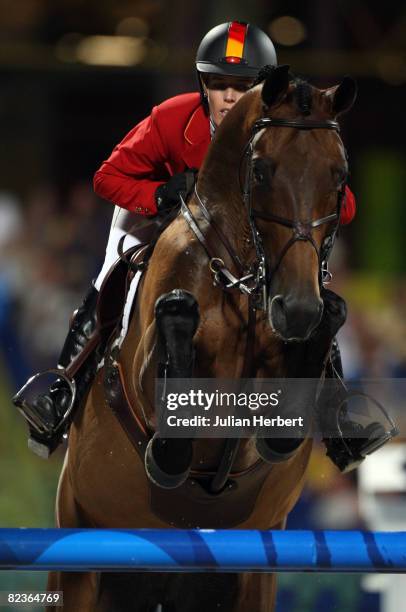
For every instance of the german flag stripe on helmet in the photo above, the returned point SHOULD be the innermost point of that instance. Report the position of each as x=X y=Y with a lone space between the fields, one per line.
x=236 y=39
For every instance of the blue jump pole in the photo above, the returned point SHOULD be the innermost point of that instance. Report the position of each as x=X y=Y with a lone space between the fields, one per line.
x=205 y=550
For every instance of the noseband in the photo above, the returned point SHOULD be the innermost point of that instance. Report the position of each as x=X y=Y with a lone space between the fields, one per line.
x=255 y=282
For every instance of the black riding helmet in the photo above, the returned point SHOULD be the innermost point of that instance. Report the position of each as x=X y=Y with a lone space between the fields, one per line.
x=234 y=48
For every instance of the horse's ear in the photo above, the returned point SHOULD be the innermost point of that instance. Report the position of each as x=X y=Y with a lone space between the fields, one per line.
x=342 y=96
x=276 y=85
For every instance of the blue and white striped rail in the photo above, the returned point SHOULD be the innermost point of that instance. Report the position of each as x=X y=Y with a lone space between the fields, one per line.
x=205 y=550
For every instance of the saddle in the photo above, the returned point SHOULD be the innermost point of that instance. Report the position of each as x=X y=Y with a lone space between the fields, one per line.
x=114 y=291
x=109 y=308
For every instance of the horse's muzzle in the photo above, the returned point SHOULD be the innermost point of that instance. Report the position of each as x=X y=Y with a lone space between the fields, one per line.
x=294 y=319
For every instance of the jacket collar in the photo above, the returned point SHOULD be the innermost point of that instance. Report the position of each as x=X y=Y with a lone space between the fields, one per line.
x=197 y=138
x=198 y=128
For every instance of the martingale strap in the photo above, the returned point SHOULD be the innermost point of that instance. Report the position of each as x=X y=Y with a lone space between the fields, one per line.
x=221 y=272
x=232 y=445
x=223 y=277
x=222 y=237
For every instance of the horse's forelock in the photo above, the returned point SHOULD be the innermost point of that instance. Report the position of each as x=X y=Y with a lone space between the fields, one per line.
x=300 y=93
x=303 y=96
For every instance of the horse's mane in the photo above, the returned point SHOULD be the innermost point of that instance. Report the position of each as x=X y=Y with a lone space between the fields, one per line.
x=301 y=94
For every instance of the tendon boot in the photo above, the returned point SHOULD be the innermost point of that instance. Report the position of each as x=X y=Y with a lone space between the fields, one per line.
x=168 y=460
x=49 y=414
x=347 y=442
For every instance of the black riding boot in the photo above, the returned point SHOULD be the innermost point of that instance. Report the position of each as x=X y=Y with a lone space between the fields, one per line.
x=49 y=414
x=347 y=441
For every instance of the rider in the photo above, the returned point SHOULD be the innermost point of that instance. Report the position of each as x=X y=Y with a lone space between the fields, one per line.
x=144 y=176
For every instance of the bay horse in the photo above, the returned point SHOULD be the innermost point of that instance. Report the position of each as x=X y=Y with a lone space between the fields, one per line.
x=264 y=208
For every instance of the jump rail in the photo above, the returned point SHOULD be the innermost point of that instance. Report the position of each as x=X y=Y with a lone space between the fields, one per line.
x=205 y=550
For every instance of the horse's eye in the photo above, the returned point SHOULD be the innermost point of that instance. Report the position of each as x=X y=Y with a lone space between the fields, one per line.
x=258 y=172
x=258 y=176
x=340 y=176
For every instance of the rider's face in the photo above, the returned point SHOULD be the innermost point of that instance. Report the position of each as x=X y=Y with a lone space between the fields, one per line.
x=223 y=92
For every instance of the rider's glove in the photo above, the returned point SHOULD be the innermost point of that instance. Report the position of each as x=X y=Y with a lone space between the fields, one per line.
x=167 y=195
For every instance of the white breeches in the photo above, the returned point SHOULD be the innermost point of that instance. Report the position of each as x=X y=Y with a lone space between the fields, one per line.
x=135 y=228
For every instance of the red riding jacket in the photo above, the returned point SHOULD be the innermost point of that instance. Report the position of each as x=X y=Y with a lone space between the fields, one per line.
x=174 y=137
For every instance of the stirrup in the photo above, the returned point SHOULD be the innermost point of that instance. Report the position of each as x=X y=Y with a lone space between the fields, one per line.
x=44 y=447
x=30 y=413
x=347 y=452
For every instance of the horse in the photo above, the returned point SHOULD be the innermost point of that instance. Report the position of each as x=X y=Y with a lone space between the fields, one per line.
x=232 y=289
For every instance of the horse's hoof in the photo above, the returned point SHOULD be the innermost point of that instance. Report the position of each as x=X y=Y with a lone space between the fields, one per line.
x=273 y=450
x=168 y=461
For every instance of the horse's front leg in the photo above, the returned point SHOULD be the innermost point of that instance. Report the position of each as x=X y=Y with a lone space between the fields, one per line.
x=305 y=360
x=79 y=589
x=168 y=460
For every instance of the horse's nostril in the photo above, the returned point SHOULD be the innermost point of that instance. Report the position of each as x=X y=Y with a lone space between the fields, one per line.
x=277 y=313
x=295 y=318
x=279 y=303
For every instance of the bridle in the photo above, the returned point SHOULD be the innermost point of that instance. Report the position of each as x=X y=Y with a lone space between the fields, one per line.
x=302 y=231
x=255 y=281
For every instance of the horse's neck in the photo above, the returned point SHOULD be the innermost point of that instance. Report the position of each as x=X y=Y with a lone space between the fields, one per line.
x=219 y=178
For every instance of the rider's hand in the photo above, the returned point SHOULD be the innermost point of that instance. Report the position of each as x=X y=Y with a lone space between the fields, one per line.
x=167 y=195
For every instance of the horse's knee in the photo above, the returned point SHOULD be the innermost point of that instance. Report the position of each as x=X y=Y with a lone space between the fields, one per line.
x=177 y=319
x=177 y=311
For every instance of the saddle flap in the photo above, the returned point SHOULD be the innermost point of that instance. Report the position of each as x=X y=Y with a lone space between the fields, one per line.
x=114 y=289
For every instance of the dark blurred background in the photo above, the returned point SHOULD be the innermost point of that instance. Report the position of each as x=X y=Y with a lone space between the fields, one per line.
x=75 y=76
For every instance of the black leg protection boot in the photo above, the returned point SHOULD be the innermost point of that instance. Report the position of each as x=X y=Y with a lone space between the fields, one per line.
x=168 y=460
x=347 y=441
x=51 y=412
